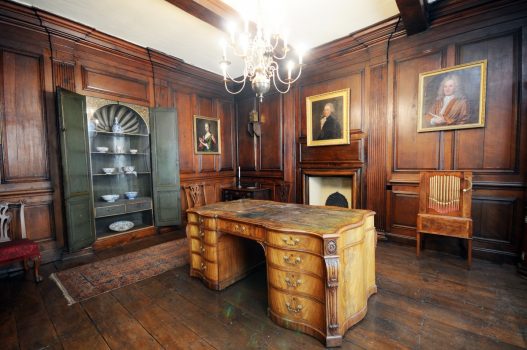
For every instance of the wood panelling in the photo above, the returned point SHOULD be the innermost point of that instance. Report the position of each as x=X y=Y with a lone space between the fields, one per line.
x=270 y=156
x=24 y=144
x=226 y=115
x=376 y=150
x=115 y=85
x=64 y=75
x=405 y=137
x=499 y=139
x=246 y=142
x=39 y=51
x=383 y=79
x=186 y=139
x=335 y=155
x=41 y=225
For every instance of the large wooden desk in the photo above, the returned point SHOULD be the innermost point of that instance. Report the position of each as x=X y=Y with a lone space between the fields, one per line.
x=320 y=260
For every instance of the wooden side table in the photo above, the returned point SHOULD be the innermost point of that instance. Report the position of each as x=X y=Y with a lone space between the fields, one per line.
x=250 y=192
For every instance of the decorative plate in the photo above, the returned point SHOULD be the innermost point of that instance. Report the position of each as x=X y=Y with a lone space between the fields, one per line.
x=121 y=226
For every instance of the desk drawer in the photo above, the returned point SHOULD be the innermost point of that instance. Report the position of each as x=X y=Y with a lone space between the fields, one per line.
x=109 y=210
x=296 y=261
x=295 y=241
x=241 y=229
x=296 y=282
x=298 y=309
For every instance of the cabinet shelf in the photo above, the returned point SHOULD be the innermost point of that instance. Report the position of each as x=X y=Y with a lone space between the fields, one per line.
x=108 y=232
x=118 y=134
x=120 y=201
x=114 y=174
x=120 y=154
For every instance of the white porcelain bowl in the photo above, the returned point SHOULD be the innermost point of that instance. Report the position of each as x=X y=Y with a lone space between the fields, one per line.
x=120 y=226
x=102 y=149
x=131 y=195
x=110 y=198
x=128 y=169
x=133 y=151
x=108 y=170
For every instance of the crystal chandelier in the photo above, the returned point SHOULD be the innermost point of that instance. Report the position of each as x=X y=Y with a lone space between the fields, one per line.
x=260 y=50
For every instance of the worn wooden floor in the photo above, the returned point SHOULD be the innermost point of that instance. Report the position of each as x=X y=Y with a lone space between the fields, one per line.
x=431 y=303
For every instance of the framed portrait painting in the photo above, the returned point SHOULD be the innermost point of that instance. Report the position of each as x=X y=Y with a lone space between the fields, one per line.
x=207 y=135
x=327 y=118
x=452 y=98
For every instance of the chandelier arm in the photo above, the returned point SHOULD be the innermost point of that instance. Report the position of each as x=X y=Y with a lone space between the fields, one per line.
x=298 y=76
x=281 y=91
x=237 y=81
x=277 y=70
x=242 y=79
x=234 y=92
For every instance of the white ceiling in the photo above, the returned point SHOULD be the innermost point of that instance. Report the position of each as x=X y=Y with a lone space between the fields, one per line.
x=164 y=27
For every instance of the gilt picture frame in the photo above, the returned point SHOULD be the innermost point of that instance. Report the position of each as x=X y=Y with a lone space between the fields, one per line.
x=452 y=98
x=327 y=117
x=207 y=135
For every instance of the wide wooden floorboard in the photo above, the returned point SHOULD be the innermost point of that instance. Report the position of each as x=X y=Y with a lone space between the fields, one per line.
x=72 y=324
x=429 y=303
x=8 y=333
x=167 y=329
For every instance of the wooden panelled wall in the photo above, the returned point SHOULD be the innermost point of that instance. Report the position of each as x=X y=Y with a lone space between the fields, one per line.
x=385 y=148
x=39 y=51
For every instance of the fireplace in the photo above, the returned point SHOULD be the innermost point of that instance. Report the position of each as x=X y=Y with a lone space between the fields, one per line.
x=331 y=187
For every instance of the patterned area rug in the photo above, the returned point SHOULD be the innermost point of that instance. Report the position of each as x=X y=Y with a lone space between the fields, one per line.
x=87 y=281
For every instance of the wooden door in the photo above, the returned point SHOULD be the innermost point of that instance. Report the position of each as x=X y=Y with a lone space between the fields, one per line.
x=165 y=166
x=76 y=170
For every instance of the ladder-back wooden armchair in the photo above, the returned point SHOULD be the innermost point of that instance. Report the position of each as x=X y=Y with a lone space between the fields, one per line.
x=445 y=206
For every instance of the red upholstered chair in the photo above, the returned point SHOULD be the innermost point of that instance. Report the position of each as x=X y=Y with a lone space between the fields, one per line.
x=17 y=249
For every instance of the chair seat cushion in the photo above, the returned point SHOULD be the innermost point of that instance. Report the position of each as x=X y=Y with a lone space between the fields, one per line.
x=17 y=250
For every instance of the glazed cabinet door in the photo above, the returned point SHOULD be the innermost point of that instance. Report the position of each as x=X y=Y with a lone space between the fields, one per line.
x=165 y=166
x=75 y=170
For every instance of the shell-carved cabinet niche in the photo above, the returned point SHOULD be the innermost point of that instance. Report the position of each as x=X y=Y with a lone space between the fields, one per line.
x=119 y=144
x=120 y=167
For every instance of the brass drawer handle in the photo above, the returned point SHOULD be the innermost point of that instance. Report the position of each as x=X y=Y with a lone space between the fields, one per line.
x=290 y=281
x=202 y=248
x=200 y=220
x=239 y=228
x=203 y=267
x=289 y=259
x=201 y=233
x=294 y=306
x=291 y=241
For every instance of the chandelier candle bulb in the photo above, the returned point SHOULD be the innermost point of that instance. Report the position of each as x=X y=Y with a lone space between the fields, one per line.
x=290 y=66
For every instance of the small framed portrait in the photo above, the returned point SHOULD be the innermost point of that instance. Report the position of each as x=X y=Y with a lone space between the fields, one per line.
x=452 y=98
x=327 y=118
x=207 y=135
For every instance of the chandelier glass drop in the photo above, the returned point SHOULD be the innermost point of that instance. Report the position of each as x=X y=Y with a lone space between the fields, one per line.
x=261 y=51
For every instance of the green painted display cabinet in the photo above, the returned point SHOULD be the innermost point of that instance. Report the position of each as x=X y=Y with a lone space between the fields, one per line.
x=120 y=168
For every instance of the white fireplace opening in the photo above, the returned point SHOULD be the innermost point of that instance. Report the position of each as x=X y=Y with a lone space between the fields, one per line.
x=322 y=188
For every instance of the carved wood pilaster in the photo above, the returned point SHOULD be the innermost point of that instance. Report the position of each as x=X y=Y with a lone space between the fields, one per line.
x=64 y=75
x=332 y=269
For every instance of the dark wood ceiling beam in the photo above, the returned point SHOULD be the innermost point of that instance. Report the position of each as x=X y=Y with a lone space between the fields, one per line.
x=214 y=12
x=414 y=14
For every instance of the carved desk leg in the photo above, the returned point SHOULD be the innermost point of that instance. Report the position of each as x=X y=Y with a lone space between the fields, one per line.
x=333 y=336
